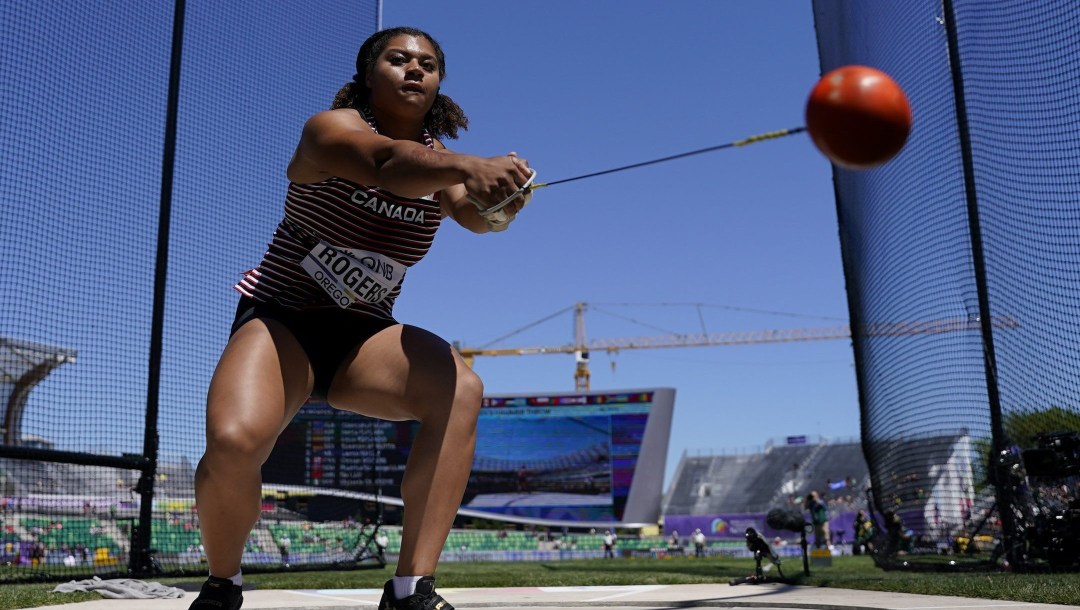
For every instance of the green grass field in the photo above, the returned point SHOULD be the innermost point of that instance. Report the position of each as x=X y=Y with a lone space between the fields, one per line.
x=846 y=572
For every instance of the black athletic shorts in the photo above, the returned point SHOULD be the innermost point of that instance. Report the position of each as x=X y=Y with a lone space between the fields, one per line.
x=327 y=335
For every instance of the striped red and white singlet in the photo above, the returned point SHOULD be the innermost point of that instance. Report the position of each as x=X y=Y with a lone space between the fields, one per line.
x=346 y=215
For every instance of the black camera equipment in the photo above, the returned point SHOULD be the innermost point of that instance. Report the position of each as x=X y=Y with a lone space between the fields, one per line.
x=368 y=553
x=1057 y=455
x=785 y=519
x=791 y=520
x=1053 y=523
x=759 y=546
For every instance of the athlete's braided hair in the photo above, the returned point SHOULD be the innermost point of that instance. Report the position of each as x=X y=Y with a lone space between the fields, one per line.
x=445 y=117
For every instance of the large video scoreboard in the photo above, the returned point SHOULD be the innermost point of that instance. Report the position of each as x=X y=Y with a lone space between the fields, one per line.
x=595 y=456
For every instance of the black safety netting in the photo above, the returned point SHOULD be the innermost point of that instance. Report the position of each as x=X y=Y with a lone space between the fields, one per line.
x=962 y=259
x=94 y=426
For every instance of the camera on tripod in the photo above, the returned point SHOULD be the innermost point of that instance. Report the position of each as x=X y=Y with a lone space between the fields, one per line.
x=1054 y=532
x=760 y=547
x=762 y=550
x=777 y=519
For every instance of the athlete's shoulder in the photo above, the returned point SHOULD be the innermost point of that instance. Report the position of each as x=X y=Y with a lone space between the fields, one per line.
x=339 y=118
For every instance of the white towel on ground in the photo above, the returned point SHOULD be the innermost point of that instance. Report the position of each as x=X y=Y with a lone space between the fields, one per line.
x=121 y=588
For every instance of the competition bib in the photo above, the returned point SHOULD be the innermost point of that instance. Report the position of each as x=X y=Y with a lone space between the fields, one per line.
x=350 y=275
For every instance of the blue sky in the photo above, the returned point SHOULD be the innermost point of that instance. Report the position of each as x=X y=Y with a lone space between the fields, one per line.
x=584 y=86
x=575 y=87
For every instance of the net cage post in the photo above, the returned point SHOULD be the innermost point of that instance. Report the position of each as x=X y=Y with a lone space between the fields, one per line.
x=142 y=561
x=999 y=442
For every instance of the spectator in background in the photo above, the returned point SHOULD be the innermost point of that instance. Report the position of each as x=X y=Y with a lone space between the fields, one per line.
x=283 y=546
x=699 y=543
x=609 y=544
x=898 y=536
x=37 y=554
x=819 y=518
x=674 y=545
x=381 y=542
x=864 y=533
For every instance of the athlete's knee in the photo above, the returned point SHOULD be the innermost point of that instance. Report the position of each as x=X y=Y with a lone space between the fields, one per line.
x=469 y=385
x=469 y=392
x=237 y=443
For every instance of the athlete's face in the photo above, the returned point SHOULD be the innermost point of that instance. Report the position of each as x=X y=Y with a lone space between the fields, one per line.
x=405 y=75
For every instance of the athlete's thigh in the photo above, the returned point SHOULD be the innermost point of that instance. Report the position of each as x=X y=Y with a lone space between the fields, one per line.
x=402 y=372
x=261 y=381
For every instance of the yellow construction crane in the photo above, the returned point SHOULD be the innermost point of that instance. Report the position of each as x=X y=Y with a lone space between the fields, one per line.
x=581 y=347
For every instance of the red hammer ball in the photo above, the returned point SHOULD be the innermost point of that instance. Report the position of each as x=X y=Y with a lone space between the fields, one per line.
x=858 y=117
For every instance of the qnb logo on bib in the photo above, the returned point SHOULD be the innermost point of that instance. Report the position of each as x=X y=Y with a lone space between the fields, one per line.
x=350 y=275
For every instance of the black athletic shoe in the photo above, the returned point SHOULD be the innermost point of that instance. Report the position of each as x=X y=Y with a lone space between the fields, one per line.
x=218 y=594
x=425 y=597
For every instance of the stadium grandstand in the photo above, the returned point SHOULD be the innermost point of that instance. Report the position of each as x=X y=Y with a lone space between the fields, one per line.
x=931 y=502
x=777 y=475
x=63 y=517
x=74 y=531
x=932 y=485
x=49 y=518
x=724 y=494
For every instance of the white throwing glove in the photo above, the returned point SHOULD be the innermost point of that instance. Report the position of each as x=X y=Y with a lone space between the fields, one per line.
x=496 y=217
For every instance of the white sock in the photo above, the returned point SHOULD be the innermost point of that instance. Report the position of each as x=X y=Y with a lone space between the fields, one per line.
x=405 y=586
x=237 y=579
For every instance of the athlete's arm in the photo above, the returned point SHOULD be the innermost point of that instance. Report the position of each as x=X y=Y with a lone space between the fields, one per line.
x=340 y=143
x=456 y=205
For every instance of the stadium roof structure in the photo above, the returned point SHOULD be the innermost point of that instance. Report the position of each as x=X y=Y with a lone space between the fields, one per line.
x=23 y=364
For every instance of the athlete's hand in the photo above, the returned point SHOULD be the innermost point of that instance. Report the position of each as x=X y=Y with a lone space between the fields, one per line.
x=493 y=180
